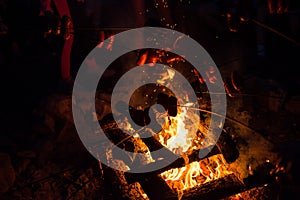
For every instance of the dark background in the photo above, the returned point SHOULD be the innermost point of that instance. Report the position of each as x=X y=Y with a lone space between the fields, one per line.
x=30 y=63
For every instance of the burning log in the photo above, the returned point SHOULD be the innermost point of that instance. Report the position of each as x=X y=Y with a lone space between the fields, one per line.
x=127 y=185
x=180 y=162
x=230 y=184
x=155 y=178
x=156 y=188
x=132 y=144
x=218 y=189
x=119 y=185
x=125 y=141
x=135 y=145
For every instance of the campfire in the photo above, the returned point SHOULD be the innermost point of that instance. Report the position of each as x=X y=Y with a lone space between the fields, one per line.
x=238 y=165
x=188 y=177
x=63 y=140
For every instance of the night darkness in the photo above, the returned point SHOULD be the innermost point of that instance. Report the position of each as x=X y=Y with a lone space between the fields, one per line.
x=255 y=45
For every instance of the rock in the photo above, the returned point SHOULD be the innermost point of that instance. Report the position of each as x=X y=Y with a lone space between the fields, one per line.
x=56 y=106
x=22 y=160
x=69 y=146
x=7 y=175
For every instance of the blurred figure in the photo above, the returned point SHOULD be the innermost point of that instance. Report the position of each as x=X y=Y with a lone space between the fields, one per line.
x=278 y=6
x=105 y=14
x=63 y=10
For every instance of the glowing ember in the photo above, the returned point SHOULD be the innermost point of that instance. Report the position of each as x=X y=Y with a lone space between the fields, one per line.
x=196 y=173
x=182 y=135
x=177 y=136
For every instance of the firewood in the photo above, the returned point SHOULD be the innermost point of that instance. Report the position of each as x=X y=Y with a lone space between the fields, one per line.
x=125 y=142
x=120 y=187
x=180 y=162
x=156 y=188
x=217 y=189
x=230 y=184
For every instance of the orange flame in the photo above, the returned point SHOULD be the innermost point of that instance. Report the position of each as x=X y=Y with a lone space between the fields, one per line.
x=177 y=138
x=196 y=173
x=178 y=135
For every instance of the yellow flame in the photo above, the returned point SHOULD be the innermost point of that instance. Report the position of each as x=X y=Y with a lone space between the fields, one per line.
x=178 y=135
x=179 y=141
x=196 y=173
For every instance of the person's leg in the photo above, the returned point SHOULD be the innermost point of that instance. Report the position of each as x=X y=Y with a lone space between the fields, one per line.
x=63 y=10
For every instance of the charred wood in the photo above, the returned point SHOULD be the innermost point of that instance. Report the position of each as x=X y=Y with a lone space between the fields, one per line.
x=119 y=186
x=218 y=189
x=180 y=162
x=156 y=188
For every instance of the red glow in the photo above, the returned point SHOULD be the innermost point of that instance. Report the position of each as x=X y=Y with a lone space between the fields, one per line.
x=143 y=58
x=111 y=40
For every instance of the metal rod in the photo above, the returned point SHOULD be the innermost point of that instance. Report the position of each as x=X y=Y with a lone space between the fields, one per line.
x=97 y=29
x=250 y=95
x=226 y=117
x=101 y=29
x=276 y=32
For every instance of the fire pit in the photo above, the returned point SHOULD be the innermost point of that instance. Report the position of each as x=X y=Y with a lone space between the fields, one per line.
x=218 y=175
x=189 y=177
